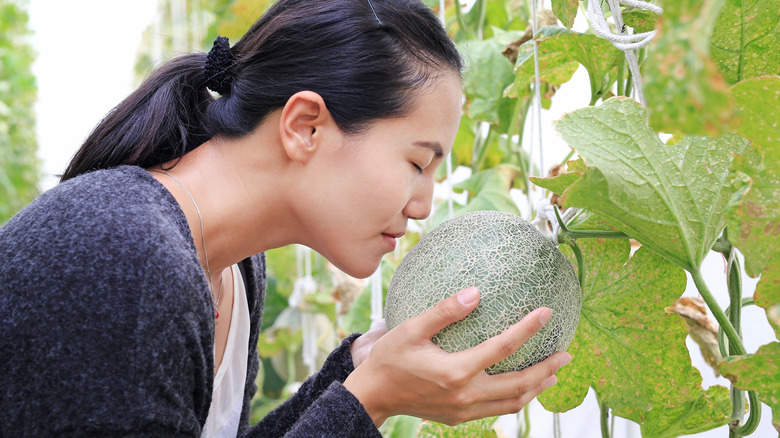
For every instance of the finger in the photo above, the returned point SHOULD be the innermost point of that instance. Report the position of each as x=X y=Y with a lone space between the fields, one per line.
x=447 y=311
x=517 y=383
x=505 y=344
x=510 y=405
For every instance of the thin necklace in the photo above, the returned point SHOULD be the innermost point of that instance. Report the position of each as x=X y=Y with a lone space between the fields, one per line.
x=203 y=237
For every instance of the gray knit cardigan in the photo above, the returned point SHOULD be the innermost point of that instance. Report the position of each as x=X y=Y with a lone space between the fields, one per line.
x=107 y=326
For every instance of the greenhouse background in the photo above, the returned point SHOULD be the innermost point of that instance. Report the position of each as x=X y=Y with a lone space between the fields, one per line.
x=89 y=54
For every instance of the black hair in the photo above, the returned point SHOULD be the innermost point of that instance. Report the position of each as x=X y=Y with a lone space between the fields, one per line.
x=366 y=67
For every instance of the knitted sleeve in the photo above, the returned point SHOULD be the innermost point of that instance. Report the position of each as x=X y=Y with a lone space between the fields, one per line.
x=101 y=315
x=321 y=407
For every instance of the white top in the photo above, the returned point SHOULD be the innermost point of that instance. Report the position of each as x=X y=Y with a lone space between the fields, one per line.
x=227 y=399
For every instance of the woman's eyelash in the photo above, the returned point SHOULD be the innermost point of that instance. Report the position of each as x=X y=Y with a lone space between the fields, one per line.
x=419 y=169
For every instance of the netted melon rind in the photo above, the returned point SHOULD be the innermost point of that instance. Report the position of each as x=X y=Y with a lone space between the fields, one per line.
x=516 y=270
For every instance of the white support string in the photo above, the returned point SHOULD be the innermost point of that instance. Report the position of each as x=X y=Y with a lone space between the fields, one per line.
x=305 y=285
x=377 y=302
x=537 y=95
x=622 y=40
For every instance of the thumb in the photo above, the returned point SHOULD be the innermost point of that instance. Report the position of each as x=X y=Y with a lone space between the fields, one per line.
x=446 y=312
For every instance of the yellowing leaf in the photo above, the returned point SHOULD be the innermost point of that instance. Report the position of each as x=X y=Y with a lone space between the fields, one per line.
x=561 y=51
x=626 y=347
x=671 y=199
x=759 y=372
x=711 y=409
x=754 y=227
x=566 y=11
x=746 y=40
x=683 y=87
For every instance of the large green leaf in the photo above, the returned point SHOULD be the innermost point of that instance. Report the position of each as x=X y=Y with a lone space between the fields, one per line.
x=711 y=409
x=759 y=372
x=488 y=73
x=683 y=87
x=626 y=347
x=746 y=40
x=755 y=226
x=671 y=199
x=561 y=51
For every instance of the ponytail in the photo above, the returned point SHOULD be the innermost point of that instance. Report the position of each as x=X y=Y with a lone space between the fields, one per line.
x=161 y=121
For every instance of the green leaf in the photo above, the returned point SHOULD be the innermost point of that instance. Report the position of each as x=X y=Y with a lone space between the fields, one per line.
x=560 y=53
x=671 y=199
x=400 y=426
x=754 y=227
x=559 y=184
x=488 y=73
x=746 y=40
x=759 y=372
x=626 y=347
x=711 y=409
x=566 y=11
x=767 y=294
x=488 y=190
x=683 y=87
x=482 y=428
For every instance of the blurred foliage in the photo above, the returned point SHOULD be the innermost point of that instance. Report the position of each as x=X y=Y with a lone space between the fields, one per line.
x=19 y=166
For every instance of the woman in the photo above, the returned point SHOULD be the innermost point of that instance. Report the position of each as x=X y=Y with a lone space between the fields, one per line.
x=133 y=291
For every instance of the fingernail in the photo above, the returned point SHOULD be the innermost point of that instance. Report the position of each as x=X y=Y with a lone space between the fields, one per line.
x=566 y=359
x=545 y=315
x=552 y=380
x=468 y=296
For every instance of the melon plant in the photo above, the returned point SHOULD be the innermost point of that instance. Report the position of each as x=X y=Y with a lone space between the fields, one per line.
x=516 y=270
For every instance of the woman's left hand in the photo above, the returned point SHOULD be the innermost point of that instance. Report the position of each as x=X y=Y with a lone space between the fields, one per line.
x=362 y=346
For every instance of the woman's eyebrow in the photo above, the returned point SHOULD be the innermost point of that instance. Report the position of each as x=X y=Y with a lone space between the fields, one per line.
x=432 y=145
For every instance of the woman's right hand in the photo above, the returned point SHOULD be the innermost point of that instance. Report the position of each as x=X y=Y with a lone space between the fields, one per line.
x=406 y=373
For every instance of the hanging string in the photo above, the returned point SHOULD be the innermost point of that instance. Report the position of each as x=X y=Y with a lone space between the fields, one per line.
x=377 y=302
x=622 y=40
x=537 y=92
x=305 y=285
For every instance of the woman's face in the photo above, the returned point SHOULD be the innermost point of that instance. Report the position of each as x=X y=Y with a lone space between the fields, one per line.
x=369 y=185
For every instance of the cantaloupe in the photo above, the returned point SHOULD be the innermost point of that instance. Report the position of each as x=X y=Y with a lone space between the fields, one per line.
x=514 y=266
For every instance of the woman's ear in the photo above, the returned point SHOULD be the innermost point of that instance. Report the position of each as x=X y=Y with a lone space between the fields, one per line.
x=303 y=121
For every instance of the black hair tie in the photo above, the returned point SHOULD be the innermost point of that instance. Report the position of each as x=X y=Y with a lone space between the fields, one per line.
x=219 y=63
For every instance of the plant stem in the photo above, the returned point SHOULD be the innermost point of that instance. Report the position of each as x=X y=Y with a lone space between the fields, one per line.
x=594 y=93
x=527 y=428
x=734 y=312
x=735 y=344
x=481 y=22
x=722 y=343
x=568 y=157
x=595 y=234
x=755 y=416
x=604 y=420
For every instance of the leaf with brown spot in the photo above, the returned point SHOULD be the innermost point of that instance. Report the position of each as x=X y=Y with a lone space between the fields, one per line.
x=626 y=347
x=759 y=372
x=746 y=40
x=754 y=226
x=684 y=89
